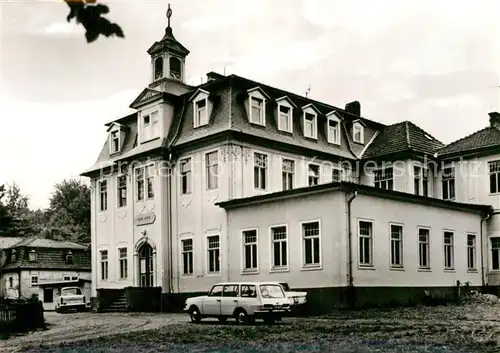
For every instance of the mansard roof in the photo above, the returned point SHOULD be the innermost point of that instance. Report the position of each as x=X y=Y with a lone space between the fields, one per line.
x=402 y=137
x=485 y=139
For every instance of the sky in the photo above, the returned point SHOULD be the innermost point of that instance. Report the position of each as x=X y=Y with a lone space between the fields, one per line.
x=436 y=63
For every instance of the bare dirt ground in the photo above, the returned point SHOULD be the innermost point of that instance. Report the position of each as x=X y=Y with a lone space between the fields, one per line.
x=457 y=329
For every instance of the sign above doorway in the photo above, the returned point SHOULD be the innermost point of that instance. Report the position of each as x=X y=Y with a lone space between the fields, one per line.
x=145 y=218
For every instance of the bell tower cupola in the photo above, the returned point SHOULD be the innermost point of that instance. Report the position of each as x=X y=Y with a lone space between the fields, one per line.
x=168 y=60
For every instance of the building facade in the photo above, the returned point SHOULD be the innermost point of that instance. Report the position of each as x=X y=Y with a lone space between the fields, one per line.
x=160 y=182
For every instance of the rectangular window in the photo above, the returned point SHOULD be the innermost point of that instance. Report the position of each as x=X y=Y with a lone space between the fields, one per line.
x=416 y=179
x=365 y=243
x=333 y=131
x=358 y=133
x=257 y=111
x=66 y=278
x=201 y=113
x=285 y=119
x=309 y=125
x=383 y=178
x=260 y=171
x=250 y=257
x=336 y=175
x=423 y=248
x=34 y=280
x=11 y=282
x=279 y=247
x=103 y=195
x=212 y=169
x=494 y=169
x=425 y=182
x=495 y=253
x=187 y=256
x=288 y=172
x=471 y=251
x=139 y=179
x=313 y=174
x=150 y=177
x=104 y=265
x=213 y=254
x=310 y=235
x=396 y=245
x=448 y=183
x=448 y=251
x=123 y=262
x=115 y=141
x=122 y=191
x=185 y=176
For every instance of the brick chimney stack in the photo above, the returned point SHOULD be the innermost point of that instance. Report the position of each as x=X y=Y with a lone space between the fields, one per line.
x=495 y=119
x=353 y=108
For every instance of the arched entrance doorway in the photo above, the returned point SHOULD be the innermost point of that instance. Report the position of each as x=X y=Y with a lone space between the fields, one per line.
x=146 y=266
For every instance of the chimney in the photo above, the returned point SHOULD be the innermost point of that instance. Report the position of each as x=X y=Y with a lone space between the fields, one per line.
x=211 y=76
x=353 y=108
x=494 y=119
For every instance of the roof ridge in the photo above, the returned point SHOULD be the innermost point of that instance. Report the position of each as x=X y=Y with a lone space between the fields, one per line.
x=465 y=137
x=407 y=132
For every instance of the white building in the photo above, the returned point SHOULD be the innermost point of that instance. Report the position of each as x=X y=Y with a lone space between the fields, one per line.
x=198 y=176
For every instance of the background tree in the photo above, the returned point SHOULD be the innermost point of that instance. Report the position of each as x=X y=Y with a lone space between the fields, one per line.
x=69 y=212
x=89 y=15
x=5 y=217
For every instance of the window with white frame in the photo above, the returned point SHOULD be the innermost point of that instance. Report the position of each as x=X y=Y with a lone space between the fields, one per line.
x=448 y=182
x=494 y=171
x=396 y=245
x=365 y=243
x=104 y=264
x=32 y=255
x=358 y=133
x=448 y=250
x=212 y=170
x=122 y=190
x=417 y=177
x=333 y=131
x=260 y=171
x=115 y=141
x=383 y=178
x=185 y=166
x=123 y=262
x=257 y=110
x=250 y=256
x=150 y=126
x=425 y=182
x=311 y=243
x=495 y=253
x=150 y=177
x=187 y=256
x=139 y=181
x=423 y=248
x=279 y=247
x=201 y=112
x=34 y=280
x=103 y=195
x=471 y=252
x=310 y=125
x=337 y=175
x=287 y=173
x=213 y=250
x=285 y=120
x=313 y=174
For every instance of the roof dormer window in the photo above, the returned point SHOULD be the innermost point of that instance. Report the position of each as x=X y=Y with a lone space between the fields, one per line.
x=32 y=256
x=69 y=258
x=201 y=113
x=310 y=121
x=150 y=126
x=333 y=129
x=256 y=109
x=115 y=141
x=13 y=256
x=358 y=132
x=285 y=114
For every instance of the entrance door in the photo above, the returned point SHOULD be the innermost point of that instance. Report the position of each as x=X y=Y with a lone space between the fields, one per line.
x=146 y=266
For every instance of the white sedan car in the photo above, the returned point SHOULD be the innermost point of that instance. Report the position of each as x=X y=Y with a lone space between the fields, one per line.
x=70 y=298
x=245 y=302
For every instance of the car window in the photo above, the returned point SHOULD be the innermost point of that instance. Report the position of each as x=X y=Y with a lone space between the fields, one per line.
x=271 y=291
x=248 y=291
x=72 y=291
x=285 y=286
x=230 y=290
x=216 y=291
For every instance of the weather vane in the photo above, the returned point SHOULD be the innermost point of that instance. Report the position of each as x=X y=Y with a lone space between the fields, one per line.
x=169 y=14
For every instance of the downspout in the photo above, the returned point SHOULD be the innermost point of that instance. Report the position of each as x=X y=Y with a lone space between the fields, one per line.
x=350 y=291
x=169 y=224
x=483 y=252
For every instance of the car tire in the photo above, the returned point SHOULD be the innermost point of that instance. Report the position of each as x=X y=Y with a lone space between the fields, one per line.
x=195 y=315
x=241 y=317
